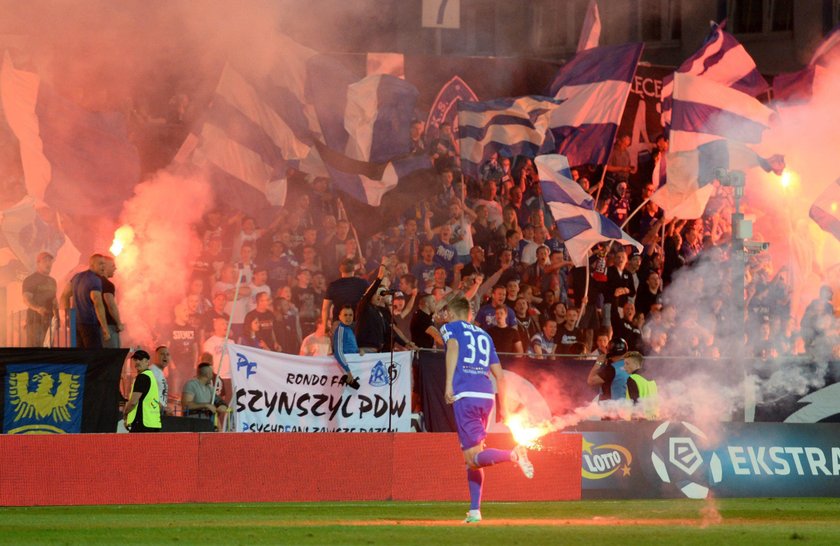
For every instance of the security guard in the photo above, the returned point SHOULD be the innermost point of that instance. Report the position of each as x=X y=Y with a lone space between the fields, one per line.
x=640 y=390
x=142 y=411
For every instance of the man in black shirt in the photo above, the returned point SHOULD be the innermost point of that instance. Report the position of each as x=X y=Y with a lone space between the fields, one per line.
x=142 y=411
x=423 y=331
x=183 y=341
x=346 y=290
x=505 y=339
x=373 y=319
x=39 y=293
x=263 y=315
x=112 y=313
x=568 y=335
x=624 y=326
x=477 y=262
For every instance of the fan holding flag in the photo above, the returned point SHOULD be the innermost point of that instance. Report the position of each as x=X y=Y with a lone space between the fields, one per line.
x=577 y=222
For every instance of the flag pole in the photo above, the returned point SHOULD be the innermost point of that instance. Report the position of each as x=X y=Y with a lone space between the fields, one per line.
x=662 y=243
x=601 y=183
x=217 y=372
x=585 y=292
x=632 y=214
x=612 y=143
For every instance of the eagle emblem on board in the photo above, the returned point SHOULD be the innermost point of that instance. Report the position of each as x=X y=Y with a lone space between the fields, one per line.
x=46 y=400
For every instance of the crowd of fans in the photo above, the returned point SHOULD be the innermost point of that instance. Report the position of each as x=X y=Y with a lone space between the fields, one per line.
x=282 y=284
x=492 y=239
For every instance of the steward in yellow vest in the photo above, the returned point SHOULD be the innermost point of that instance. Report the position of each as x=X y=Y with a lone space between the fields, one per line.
x=640 y=390
x=142 y=411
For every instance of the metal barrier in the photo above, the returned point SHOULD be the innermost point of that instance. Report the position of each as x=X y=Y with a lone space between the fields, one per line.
x=57 y=335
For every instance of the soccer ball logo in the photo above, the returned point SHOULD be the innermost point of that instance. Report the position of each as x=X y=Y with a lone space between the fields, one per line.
x=677 y=460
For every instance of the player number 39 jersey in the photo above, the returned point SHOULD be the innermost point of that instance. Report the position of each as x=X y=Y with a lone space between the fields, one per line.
x=475 y=355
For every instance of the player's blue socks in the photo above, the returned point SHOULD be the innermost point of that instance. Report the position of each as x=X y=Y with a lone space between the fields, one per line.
x=476 y=480
x=489 y=457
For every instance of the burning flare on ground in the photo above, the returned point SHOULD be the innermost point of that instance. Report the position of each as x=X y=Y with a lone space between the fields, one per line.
x=524 y=431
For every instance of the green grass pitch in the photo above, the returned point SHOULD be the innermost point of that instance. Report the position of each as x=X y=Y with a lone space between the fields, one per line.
x=674 y=522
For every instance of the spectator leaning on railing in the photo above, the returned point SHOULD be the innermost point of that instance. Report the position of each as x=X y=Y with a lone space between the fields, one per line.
x=199 y=399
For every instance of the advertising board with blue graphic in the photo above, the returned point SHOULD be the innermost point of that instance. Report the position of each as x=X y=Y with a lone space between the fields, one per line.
x=276 y=392
x=674 y=459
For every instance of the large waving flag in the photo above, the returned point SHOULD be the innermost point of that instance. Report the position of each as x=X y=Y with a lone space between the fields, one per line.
x=578 y=224
x=590 y=34
x=712 y=128
x=377 y=117
x=77 y=162
x=243 y=142
x=593 y=88
x=306 y=111
x=721 y=59
x=286 y=84
x=517 y=126
x=366 y=129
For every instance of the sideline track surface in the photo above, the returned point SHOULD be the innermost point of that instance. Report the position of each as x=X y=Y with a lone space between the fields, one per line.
x=723 y=521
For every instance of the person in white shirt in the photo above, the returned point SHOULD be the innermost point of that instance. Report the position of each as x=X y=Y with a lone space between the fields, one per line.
x=317 y=343
x=160 y=361
x=214 y=346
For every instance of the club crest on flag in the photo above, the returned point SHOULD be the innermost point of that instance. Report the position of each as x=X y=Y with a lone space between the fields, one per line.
x=379 y=375
x=444 y=108
x=43 y=399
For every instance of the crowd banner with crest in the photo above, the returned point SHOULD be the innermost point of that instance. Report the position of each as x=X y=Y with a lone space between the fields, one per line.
x=276 y=392
x=60 y=391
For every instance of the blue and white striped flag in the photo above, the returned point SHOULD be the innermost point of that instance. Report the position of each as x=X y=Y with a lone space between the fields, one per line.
x=593 y=88
x=578 y=224
x=365 y=125
x=243 y=142
x=712 y=127
x=581 y=228
x=721 y=59
x=517 y=126
x=557 y=183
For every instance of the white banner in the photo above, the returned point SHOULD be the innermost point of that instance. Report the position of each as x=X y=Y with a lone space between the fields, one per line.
x=277 y=392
